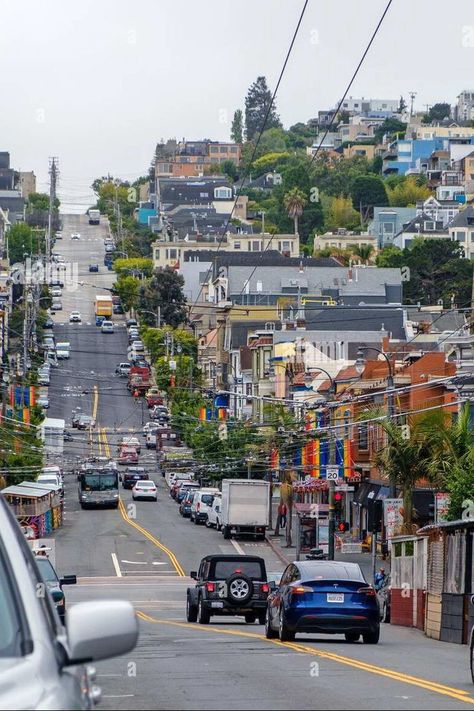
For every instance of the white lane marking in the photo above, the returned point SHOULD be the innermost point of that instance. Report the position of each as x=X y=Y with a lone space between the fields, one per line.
x=155 y=563
x=238 y=548
x=116 y=565
x=135 y=562
x=118 y=696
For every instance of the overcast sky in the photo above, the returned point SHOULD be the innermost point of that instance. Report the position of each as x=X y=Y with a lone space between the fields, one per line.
x=98 y=82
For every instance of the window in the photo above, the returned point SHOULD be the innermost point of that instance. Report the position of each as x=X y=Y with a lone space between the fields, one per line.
x=10 y=623
x=236 y=245
x=157 y=254
x=430 y=226
x=363 y=436
x=472 y=236
x=233 y=149
x=460 y=236
x=256 y=246
x=213 y=149
x=171 y=254
x=286 y=246
x=387 y=227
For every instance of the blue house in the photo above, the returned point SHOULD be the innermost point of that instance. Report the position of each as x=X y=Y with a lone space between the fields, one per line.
x=406 y=154
x=389 y=221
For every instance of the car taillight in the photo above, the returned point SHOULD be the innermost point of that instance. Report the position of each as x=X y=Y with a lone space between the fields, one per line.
x=210 y=587
x=370 y=592
x=265 y=588
x=300 y=590
x=198 y=506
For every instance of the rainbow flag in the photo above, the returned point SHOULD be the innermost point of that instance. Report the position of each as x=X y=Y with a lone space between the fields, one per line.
x=26 y=415
x=348 y=461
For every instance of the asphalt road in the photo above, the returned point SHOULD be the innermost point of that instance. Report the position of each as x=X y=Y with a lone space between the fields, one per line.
x=141 y=553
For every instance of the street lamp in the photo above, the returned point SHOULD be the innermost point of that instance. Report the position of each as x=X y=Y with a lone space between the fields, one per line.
x=157 y=315
x=360 y=366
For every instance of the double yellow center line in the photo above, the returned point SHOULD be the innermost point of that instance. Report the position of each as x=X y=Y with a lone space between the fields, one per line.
x=103 y=442
x=442 y=689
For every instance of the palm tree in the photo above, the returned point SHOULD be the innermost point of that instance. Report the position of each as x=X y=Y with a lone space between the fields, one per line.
x=404 y=460
x=294 y=202
x=363 y=251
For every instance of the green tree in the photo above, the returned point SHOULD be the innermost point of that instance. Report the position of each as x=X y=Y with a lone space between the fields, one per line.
x=268 y=162
x=273 y=140
x=439 y=111
x=134 y=266
x=363 y=251
x=391 y=127
x=257 y=102
x=407 y=192
x=237 y=128
x=21 y=240
x=128 y=288
x=390 y=257
x=294 y=202
x=229 y=168
x=339 y=213
x=402 y=105
x=165 y=291
x=368 y=191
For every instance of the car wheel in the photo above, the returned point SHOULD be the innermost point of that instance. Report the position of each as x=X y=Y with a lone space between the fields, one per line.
x=218 y=525
x=284 y=634
x=472 y=659
x=371 y=637
x=226 y=532
x=352 y=637
x=250 y=618
x=196 y=521
x=239 y=589
x=203 y=614
x=191 y=611
x=270 y=633
x=385 y=613
x=261 y=617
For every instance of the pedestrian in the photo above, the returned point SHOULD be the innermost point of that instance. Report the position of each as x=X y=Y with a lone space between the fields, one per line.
x=380 y=579
x=282 y=510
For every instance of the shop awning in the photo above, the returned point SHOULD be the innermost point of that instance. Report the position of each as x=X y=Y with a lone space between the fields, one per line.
x=366 y=491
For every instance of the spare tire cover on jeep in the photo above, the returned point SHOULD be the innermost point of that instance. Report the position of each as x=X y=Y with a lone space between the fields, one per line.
x=239 y=589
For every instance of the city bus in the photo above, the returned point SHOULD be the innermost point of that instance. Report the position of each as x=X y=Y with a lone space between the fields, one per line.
x=98 y=487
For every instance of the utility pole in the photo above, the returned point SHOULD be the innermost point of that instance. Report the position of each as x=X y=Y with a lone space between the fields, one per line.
x=412 y=95
x=53 y=180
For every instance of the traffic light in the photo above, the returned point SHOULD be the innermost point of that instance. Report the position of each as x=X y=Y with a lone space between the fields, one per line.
x=343 y=526
x=375 y=514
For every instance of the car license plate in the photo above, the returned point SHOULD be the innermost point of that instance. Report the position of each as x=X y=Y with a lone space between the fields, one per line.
x=217 y=604
x=335 y=597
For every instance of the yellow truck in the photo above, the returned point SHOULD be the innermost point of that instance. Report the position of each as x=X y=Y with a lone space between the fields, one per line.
x=103 y=306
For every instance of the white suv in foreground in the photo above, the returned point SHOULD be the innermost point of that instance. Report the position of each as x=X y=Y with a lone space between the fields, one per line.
x=42 y=662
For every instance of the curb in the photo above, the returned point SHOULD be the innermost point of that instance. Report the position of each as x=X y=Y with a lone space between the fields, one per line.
x=277 y=551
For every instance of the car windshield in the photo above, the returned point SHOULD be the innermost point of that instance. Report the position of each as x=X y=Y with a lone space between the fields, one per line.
x=146 y=484
x=99 y=482
x=207 y=499
x=10 y=625
x=46 y=569
x=224 y=568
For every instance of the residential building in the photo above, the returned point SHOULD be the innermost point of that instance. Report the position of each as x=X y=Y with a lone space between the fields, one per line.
x=172 y=253
x=461 y=229
x=325 y=118
x=408 y=155
x=365 y=106
x=4 y=225
x=266 y=182
x=12 y=202
x=326 y=143
x=27 y=183
x=344 y=239
x=464 y=109
x=290 y=282
x=451 y=131
x=389 y=221
x=354 y=132
x=8 y=177
x=364 y=150
x=423 y=226
x=190 y=158
x=438 y=210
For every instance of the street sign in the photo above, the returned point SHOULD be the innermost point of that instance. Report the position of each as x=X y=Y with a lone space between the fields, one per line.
x=332 y=473
x=344 y=487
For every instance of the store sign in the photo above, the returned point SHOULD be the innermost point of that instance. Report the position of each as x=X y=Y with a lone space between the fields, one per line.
x=392 y=515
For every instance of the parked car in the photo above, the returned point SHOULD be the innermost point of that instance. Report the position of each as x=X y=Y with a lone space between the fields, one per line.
x=32 y=675
x=117 y=309
x=49 y=323
x=186 y=503
x=43 y=401
x=385 y=599
x=202 y=502
x=137 y=346
x=56 y=305
x=93 y=267
x=132 y=475
x=54 y=583
x=123 y=369
x=231 y=585
x=131 y=322
x=99 y=320
x=213 y=514
x=56 y=291
x=75 y=317
x=325 y=597
x=145 y=490
x=107 y=327
x=43 y=378
x=149 y=427
x=183 y=488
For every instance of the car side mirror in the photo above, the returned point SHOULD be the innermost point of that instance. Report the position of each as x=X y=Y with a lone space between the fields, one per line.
x=272 y=585
x=68 y=580
x=100 y=630
x=193 y=575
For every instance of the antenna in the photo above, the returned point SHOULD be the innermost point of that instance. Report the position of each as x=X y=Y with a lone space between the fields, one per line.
x=412 y=95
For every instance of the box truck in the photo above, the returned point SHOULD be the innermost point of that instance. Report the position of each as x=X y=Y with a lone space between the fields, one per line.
x=103 y=305
x=94 y=217
x=245 y=507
